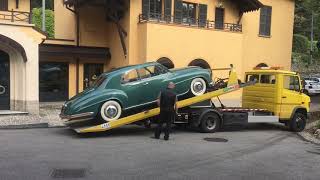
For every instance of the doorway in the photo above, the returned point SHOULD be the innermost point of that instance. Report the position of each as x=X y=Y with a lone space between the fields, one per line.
x=91 y=73
x=4 y=81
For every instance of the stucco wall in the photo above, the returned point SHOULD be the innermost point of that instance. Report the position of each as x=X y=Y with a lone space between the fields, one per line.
x=139 y=42
x=24 y=5
x=64 y=22
x=273 y=50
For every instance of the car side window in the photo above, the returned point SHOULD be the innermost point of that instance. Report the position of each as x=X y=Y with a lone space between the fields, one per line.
x=162 y=69
x=291 y=83
x=155 y=70
x=130 y=76
x=144 y=73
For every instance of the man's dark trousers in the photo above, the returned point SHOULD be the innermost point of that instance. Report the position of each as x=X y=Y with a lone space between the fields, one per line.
x=166 y=117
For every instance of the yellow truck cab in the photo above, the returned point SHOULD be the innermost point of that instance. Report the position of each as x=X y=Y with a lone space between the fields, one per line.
x=279 y=92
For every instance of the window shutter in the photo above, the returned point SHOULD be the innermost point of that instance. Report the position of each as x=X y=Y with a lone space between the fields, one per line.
x=178 y=11
x=145 y=9
x=167 y=10
x=219 y=18
x=265 y=21
x=203 y=15
x=3 y=5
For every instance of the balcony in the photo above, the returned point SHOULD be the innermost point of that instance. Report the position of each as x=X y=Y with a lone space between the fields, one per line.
x=190 y=22
x=16 y=17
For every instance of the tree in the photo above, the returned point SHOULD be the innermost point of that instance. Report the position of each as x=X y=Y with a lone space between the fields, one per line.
x=38 y=4
x=300 y=43
x=37 y=20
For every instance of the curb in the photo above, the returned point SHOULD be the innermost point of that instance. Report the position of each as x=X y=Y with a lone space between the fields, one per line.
x=30 y=126
x=307 y=136
x=309 y=140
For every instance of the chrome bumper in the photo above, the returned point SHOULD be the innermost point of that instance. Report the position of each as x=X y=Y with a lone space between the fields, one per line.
x=76 y=118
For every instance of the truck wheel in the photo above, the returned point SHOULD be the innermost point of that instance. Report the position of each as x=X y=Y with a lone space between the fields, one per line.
x=210 y=123
x=298 y=122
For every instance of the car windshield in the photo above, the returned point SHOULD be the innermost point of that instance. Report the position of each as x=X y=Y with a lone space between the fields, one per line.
x=99 y=81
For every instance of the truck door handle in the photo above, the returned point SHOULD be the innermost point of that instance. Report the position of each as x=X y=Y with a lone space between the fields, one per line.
x=284 y=97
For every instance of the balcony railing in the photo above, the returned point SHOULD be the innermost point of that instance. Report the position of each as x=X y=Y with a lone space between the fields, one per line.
x=160 y=18
x=16 y=16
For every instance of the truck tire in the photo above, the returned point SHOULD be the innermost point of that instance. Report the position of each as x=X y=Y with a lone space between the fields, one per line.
x=298 y=122
x=210 y=123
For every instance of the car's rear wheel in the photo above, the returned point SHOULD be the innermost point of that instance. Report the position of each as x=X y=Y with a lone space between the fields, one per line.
x=198 y=86
x=110 y=111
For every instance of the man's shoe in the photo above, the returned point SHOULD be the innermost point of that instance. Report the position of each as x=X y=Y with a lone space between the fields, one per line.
x=157 y=137
x=166 y=138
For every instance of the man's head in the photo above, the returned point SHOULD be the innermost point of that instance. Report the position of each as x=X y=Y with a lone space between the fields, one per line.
x=171 y=85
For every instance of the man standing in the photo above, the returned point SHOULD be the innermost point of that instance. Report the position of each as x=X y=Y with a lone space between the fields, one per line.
x=168 y=107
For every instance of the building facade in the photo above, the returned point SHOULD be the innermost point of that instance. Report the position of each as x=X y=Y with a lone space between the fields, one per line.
x=94 y=36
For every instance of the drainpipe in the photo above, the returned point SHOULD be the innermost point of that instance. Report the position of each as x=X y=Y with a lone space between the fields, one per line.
x=44 y=15
x=76 y=13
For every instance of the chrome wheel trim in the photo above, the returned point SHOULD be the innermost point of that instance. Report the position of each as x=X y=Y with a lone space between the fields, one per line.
x=198 y=86
x=111 y=111
x=211 y=123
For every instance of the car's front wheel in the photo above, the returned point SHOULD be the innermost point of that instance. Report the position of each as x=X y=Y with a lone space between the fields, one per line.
x=198 y=86
x=110 y=111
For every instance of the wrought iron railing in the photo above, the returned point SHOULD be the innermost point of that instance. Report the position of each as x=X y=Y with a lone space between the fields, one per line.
x=16 y=16
x=161 y=18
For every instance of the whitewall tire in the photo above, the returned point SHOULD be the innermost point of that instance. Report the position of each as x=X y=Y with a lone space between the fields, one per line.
x=198 y=86
x=110 y=111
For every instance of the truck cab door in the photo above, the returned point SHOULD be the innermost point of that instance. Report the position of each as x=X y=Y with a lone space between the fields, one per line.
x=290 y=96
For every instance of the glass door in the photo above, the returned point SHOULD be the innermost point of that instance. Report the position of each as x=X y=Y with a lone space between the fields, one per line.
x=4 y=81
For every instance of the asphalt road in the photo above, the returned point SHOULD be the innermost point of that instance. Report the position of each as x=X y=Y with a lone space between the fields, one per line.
x=258 y=152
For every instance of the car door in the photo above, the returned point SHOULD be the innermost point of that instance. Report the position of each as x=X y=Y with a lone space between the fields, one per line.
x=153 y=80
x=132 y=86
x=290 y=96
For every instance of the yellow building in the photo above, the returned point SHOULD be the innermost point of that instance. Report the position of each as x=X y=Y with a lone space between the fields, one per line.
x=92 y=37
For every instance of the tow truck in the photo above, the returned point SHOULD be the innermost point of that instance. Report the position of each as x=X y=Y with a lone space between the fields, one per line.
x=270 y=95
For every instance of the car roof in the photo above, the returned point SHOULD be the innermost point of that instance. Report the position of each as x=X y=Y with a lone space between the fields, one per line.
x=128 y=68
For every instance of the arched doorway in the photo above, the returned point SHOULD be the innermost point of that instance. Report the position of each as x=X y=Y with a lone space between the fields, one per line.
x=262 y=65
x=4 y=81
x=166 y=62
x=201 y=63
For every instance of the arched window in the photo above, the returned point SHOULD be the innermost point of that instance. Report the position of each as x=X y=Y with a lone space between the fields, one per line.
x=166 y=62
x=201 y=63
x=262 y=65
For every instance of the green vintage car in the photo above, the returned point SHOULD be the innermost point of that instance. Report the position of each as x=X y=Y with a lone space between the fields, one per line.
x=130 y=89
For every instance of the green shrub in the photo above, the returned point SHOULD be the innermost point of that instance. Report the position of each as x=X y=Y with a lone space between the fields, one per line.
x=300 y=58
x=300 y=44
x=37 y=20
